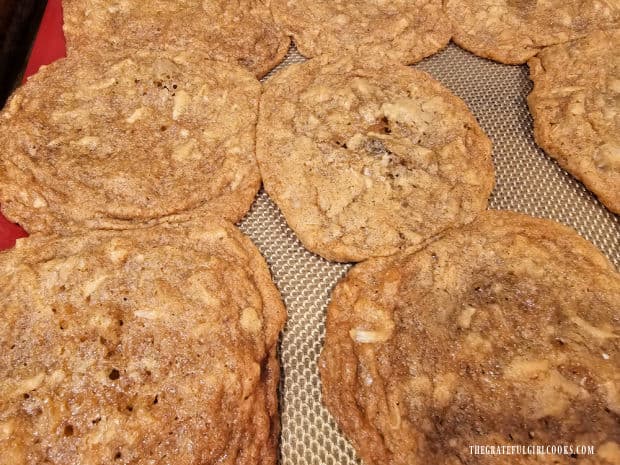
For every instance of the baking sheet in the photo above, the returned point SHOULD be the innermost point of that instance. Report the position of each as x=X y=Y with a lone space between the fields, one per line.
x=526 y=180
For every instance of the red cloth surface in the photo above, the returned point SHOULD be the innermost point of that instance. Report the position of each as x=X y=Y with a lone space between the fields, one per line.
x=49 y=45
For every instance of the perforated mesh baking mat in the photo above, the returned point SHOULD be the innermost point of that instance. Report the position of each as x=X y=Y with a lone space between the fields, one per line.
x=526 y=180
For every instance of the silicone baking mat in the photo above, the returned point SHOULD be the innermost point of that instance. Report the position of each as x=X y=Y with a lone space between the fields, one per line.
x=527 y=181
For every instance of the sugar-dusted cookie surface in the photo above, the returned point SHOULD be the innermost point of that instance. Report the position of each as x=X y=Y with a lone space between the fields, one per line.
x=139 y=347
x=576 y=108
x=403 y=30
x=367 y=158
x=118 y=141
x=512 y=31
x=503 y=332
x=241 y=31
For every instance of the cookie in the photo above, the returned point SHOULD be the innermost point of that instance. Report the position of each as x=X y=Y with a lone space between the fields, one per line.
x=576 y=108
x=127 y=140
x=503 y=332
x=365 y=159
x=512 y=31
x=241 y=32
x=138 y=346
x=404 y=31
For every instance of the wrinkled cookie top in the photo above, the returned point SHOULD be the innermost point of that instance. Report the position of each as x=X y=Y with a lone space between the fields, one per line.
x=119 y=141
x=503 y=332
x=512 y=31
x=403 y=30
x=138 y=346
x=365 y=159
x=576 y=107
x=241 y=31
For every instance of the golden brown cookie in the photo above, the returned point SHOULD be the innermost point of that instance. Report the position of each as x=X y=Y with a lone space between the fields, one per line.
x=402 y=30
x=512 y=31
x=122 y=141
x=241 y=32
x=139 y=347
x=367 y=158
x=503 y=332
x=576 y=107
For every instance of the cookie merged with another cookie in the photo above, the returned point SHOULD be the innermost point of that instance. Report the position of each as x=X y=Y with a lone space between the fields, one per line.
x=512 y=31
x=368 y=158
x=503 y=332
x=139 y=347
x=241 y=32
x=576 y=108
x=119 y=141
x=403 y=30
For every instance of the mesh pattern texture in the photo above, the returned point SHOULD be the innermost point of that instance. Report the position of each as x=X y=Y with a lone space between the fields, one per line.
x=527 y=181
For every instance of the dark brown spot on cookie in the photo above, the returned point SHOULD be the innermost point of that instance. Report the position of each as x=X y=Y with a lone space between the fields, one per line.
x=382 y=127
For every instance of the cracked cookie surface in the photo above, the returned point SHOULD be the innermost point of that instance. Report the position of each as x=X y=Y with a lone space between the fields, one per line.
x=503 y=332
x=512 y=31
x=403 y=30
x=575 y=103
x=139 y=346
x=241 y=31
x=122 y=141
x=365 y=159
